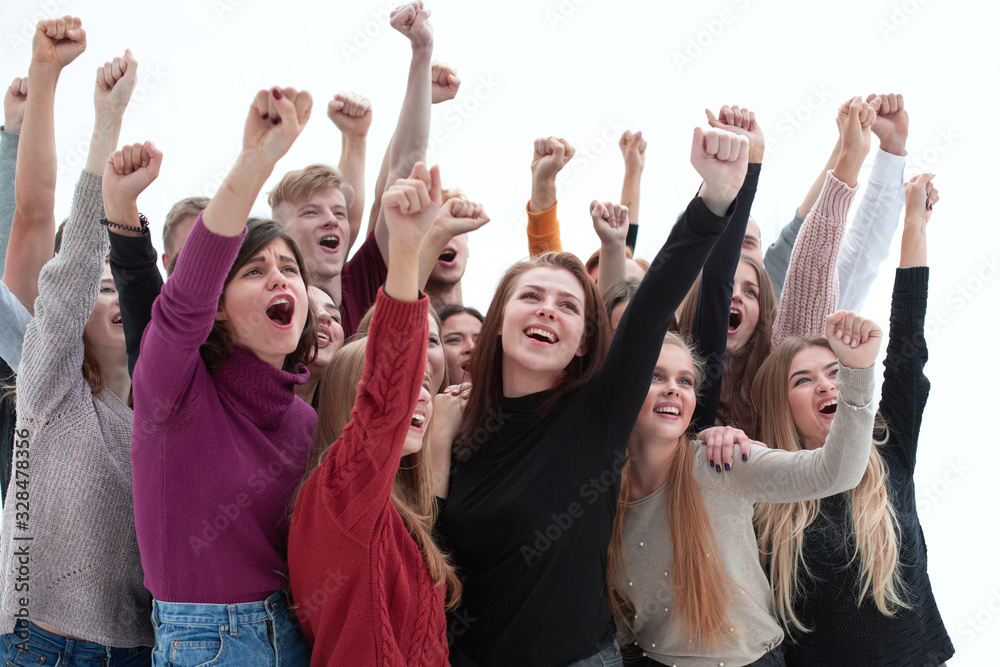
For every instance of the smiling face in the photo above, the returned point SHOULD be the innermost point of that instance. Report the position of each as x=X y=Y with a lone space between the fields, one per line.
x=421 y=420
x=459 y=333
x=435 y=354
x=542 y=329
x=450 y=266
x=745 y=308
x=319 y=226
x=670 y=402
x=264 y=306
x=329 y=332
x=812 y=394
x=103 y=330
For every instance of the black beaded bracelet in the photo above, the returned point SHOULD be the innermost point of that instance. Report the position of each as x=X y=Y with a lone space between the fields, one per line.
x=141 y=229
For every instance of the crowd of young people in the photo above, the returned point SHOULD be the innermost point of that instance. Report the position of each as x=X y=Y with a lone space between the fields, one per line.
x=282 y=456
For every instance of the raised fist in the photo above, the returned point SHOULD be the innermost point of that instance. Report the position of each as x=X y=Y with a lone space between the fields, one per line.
x=127 y=173
x=58 y=42
x=855 y=119
x=444 y=83
x=115 y=83
x=854 y=339
x=740 y=121
x=633 y=150
x=14 y=102
x=921 y=195
x=551 y=155
x=892 y=125
x=721 y=158
x=610 y=221
x=351 y=113
x=276 y=118
x=460 y=216
x=411 y=204
x=411 y=20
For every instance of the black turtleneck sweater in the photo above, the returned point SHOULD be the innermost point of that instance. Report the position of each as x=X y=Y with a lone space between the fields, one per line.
x=844 y=633
x=529 y=515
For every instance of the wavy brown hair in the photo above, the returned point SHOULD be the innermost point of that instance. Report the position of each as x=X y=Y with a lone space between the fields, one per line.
x=487 y=355
x=219 y=345
x=412 y=490
x=701 y=591
x=874 y=538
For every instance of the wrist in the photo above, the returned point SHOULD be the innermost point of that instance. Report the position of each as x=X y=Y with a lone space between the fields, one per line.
x=123 y=212
x=422 y=50
x=756 y=154
x=46 y=74
x=350 y=141
x=11 y=126
x=848 y=167
x=253 y=167
x=543 y=195
x=894 y=146
x=718 y=198
x=612 y=245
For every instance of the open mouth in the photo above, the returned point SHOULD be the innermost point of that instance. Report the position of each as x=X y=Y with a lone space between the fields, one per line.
x=330 y=243
x=735 y=320
x=828 y=407
x=323 y=337
x=448 y=256
x=669 y=410
x=541 y=335
x=280 y=311
x=417 y=423
x=117 y=319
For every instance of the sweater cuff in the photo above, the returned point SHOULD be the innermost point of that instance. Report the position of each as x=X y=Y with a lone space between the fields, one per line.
x=913 y=280
x=398 y=314
x=856 y=386
x=703 y=214
x=888 y=168
x=835 y=198
x=204 y=262
x=131 y=252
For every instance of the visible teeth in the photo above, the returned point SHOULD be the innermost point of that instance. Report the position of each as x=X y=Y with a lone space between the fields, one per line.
x=667 y=410
x=733 y=311
x=826 y=404
x=534 y=331
x=282 y=301
x=418 y=419
x=324 y=336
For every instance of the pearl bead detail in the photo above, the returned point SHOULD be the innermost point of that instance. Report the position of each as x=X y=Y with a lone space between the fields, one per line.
x=641 y=544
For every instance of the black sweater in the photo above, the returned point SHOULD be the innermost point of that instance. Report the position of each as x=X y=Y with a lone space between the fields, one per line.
x=529 y=516
x=138 y=281
x=845 y=634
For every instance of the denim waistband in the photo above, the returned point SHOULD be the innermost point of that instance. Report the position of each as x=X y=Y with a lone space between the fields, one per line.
x=59 y=644
x=220 y=614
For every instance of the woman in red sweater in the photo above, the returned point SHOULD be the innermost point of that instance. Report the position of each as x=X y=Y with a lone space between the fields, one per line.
x=368 y=582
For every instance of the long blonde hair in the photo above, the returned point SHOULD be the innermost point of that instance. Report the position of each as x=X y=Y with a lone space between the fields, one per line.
x=781 y=526
x=702 y=593
x=412 y=491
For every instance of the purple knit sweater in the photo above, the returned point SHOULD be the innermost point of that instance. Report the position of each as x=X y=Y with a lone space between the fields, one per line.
x=216 y=457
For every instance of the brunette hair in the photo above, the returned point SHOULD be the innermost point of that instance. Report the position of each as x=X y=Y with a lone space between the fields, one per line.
x=873 y=539
x=701 y=591
x=450 y=309
x=185 y=208
x=362 y=333
x=619 y=294
x=412 y=489
x=487 y=356
x=219 y=345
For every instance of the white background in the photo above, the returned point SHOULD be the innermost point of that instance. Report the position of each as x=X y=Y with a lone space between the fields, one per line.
x=586 y=70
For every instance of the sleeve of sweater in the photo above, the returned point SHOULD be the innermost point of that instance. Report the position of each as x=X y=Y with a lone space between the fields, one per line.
x=8 y=165
x=866 y=244
x=543 y=232
x=50 y=378
x=358 y=473
x=905 y=388
x=138 y=281
x=778 y=253
x=811 y=288
x=14 y=318
x=710 y=330
x=777 y=476
x=614 y=395
x=181 y=320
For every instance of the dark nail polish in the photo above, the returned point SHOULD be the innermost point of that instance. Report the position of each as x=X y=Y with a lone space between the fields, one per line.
x=718 y=468
x=711 y=462
x=265 y=115
x=744 y=457
x=727 y=466
x=277 y=93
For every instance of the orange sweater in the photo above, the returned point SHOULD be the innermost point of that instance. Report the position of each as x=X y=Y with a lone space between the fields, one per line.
x=543 y=232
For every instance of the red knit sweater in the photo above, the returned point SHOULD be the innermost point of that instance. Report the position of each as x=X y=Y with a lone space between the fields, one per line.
x=363 y=593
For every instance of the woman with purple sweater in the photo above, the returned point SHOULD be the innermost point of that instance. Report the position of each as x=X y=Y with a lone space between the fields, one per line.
x=220 y=441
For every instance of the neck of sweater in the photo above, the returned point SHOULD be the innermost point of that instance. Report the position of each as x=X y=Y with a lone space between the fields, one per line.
x=260 y=392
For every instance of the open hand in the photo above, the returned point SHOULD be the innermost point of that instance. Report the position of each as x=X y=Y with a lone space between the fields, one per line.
x=610 y=221
x=115 y=83
x=14 y=102
x=276 y=118
x=351 y=113
x=411 y=204
x=721 y=443
x=854 y=339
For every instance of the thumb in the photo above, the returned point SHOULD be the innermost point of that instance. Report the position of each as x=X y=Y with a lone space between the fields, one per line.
x=130 y=65
x=854 y=112
x=435 y=191
x=155 y=158
x=597 y=210
x=712 y=120
x=558 y=149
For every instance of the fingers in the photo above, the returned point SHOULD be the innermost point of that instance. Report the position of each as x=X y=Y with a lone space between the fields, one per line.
x=598 y=211
x=260 y=105
x=557 y=148
x=854 y=110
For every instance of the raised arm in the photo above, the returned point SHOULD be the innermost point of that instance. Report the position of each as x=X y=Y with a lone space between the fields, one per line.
x=56 y=43
x=611 y=222
x=551 y=155
x=14 y=102
x=409 y=141
x=780 y=252
x=621 y=383
x=352 y=114
x=454 y=217
x=777 y=476
x=633 y=148
x=866 y=244
x=811 y=287
x=133 y=258
x=905 y=387
x=358 y=474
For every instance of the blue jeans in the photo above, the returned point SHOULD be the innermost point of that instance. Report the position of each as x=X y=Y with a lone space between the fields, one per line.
x=243 y=635
x=46 y=648
x=609 y=656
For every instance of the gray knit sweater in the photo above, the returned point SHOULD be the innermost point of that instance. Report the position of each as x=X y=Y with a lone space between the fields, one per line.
x=771 y=475
x=84 y=577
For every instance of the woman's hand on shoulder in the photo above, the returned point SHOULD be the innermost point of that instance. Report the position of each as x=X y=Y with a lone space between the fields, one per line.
x=723 y=444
